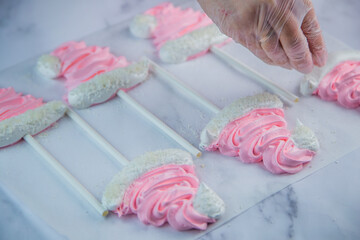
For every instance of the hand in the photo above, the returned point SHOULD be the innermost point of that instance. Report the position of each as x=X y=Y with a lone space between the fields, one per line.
x=280 y=32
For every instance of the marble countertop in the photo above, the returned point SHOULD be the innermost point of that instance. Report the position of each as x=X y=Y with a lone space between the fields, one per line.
x=321 y=206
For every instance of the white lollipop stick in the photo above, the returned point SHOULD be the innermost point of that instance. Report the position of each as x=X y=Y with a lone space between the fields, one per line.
x=120 y=159
x=158 y=123
x=66 y=175
x=171 y=79
x=236 y=64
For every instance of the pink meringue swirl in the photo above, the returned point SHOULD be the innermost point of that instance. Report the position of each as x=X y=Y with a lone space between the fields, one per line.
x=165 y=194
x=342 y=84
x=13 y=104
x=261 y=136
x=80 y=63
x=173 y=23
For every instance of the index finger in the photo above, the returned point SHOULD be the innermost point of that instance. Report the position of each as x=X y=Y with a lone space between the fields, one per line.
x=296 y=46
x=312 y=32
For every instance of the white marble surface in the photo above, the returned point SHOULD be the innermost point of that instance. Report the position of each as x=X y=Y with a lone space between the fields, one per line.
x=323 y=206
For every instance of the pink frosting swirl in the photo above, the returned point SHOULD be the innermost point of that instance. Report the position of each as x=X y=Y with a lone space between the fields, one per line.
x=165 y=194
x=80 y=63
x=13 y=104
x=342 y=84
x=261 y=136
x=173 y=22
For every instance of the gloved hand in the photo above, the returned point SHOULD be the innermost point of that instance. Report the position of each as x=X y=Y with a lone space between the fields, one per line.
x=280 y=32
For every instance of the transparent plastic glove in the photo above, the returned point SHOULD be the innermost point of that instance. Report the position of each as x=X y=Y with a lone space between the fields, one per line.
x=280 y=32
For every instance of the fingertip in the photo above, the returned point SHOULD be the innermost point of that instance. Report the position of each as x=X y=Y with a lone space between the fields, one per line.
x=306 y=69
x=287 y=66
